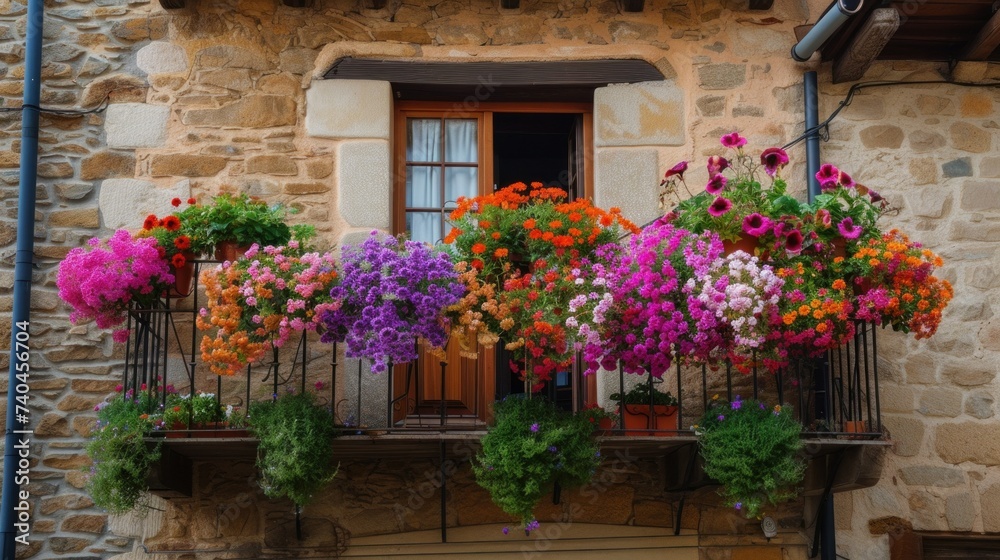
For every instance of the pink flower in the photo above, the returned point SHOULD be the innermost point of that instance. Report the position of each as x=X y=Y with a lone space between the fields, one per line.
x=733 y=140
x=845 y=180
x=717 y=164
x=756 y=224
x=678 y=170
x=716 y=184
x=847 y=228
x=319 y=385
x=773 y=159
x=720 y=206
x=793 y=242
x=823 y=217
x=828 y=176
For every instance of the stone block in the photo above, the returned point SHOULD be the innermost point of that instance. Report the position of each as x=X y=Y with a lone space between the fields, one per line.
x=54 y=170
x=272 y=165
x=929 y=202
x=968 y=441
x=960 y=512
x=989 y=167
x=926 y=511
x=85 y=524
x=63 y=545
x=119 y=88
x=961 y=167
x=105 y=165
x=102 y=386
x=124 y=202
x=185 y=165
x=980 y=405
x=80 y=218
x=252 y=111
x=644 y=114
x=897 y=398
x=364 y=185
x=722 y=76
x=927 y=475
x=989 y=503
x=968 y=373
x=306 y=188
x=234 y=79
x=319 y=168
x=924 y=171
x=297 y=61
x=161 y=57
x=976 y=104
x=136 y=125
x=966 y=231
x=74 y=191
x=925 y=141
x=882 y=136
x=711 y=105
x=938 y=401
x=349 y=109
x=906 y=433
x=228 y=56
x=970 y=138
x=52 y=424
x=933 y=105
x=981 y=196
x=78 y=403
x=65 y=502
x=628 y=179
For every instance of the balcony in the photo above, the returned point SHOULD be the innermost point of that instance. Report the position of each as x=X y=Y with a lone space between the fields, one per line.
x=413 y=411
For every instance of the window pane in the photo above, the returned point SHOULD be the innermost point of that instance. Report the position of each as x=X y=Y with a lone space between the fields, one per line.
x=423 y=186
x=423 y=140
x=460 y=181
x=424 y=226
x=461 y=140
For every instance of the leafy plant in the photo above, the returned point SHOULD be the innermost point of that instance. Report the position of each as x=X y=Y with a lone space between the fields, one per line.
x=295 y=457
x=120 y=455
x=641 y=393
x=753 y=451
x=242 y=219
x=531 y=447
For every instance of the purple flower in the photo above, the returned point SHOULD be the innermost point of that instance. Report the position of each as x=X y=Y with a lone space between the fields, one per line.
x=531 y=526
x=678 y=170
x=756 y=224
x=534 y=427
x=735 y=405
x=721 y=418
x=717 y=164
x=793 y=242
x=733 y=140
x=720 y=206
x=874 y=196
x=847 y=228
x=773 y=159
x=716 y=184
x=738 y=505
x=506 y=530
x=553 y=449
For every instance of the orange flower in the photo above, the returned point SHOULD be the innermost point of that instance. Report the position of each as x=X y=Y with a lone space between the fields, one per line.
x=478 y=249
x=839 y=284
x=495 y=235
x=529 y=223
x=500 y=253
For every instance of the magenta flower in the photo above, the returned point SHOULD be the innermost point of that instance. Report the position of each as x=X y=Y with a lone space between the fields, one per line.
x=845 y=180
x=847 y=228
x=717 y=164
x=773 y=159
x=720 y=206
x=678 y=170
x=534 y=427
x=756 y=224
x=875 y=197
x=716 y=184
x=793 y=242
x=733 y=140
x=828 y=176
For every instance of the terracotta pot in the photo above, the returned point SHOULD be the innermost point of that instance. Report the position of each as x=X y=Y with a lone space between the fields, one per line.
x=605 y=427
x=183 y=277
x=855 y=427
x=745 y=243
x=229 y=250
x=639 y=421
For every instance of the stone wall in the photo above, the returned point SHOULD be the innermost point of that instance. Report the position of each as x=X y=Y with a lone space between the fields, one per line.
x=224 y=96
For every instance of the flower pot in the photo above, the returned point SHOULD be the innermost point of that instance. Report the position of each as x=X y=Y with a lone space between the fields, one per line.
x=605 y=427
x=639 y=420
x=183 y=277
x=229 y=250
x=745 y=243
x=855 y=427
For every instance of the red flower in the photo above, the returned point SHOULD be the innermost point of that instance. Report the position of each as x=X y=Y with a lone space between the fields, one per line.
x=175 y=202
x=178 y=260
x=151 y=222
x=182 y=243
x=171 y=222
x=478 y=249
x=192 y=200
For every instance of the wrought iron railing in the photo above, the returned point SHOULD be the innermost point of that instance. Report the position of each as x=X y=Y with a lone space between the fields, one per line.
x=836 y=396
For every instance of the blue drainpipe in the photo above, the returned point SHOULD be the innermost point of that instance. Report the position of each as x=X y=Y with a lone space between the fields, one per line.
x=827 y=530
x=15 y=442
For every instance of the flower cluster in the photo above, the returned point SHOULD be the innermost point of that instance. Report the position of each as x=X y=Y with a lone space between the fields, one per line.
x=172 y=241
x=899 y=287
x=392 y=293
x=256 y=303
x=102 y=280
x=816 y=314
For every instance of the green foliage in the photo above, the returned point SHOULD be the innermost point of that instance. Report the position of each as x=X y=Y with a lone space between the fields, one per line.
x=640 y=394
x=295 y=456
x=747 y=196
x=753 y=450
x=200 y=409
x=242 y=219
x=121 y=458
x=532 y=446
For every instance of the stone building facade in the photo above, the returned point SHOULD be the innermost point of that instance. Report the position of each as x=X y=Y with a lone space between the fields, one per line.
x=229 y=95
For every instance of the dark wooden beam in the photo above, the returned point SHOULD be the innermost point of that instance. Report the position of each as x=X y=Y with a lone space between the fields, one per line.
x=985 y=42
x=172 y=4
x=761 y=4
x=510 y=4
x=866 y=45
x=295 y=3
x=633 y=5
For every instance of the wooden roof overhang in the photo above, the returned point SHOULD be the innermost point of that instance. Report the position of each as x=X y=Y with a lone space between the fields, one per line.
x=931 y=30
x=572 y=80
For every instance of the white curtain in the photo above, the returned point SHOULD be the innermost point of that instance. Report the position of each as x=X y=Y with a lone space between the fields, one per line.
x=423 y=183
